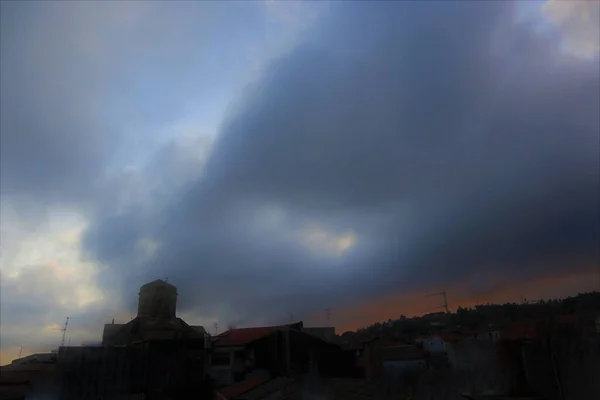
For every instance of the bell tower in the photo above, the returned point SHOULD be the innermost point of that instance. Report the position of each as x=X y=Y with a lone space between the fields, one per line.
x=157 y=300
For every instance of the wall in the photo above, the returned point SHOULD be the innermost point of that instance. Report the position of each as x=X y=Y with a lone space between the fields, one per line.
x=490 y=336
x=336 y=363
x=567 y=363
x=372 y=360
x=157 y=301
x=220 y=368
x=101 y=372
x=434 y=345
x=479 y=366
x=268 y=354
x=395 y=368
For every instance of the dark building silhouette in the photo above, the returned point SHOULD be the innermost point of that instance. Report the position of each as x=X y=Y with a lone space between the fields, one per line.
x=156 y=319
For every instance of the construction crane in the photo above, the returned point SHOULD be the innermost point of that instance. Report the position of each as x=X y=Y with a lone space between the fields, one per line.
x=445 y=305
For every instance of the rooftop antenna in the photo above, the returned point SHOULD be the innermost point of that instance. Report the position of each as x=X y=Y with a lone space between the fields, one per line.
x=291 y=318
x=216 y=328
x=64 y=332
x=328 y=316
x=443 y=294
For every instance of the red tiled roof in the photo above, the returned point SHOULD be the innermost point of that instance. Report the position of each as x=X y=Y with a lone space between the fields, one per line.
x=243 y=336
x=521 y=330
x=241 y=387
x=448 y=336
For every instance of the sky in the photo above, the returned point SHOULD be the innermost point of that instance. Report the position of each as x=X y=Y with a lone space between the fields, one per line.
x=273 y=157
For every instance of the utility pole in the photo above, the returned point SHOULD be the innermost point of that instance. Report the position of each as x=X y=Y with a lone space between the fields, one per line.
x=445 y=305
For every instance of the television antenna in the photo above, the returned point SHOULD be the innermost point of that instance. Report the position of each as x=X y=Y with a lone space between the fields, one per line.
x=64 y=331
x=291 y=318
x=216 y=325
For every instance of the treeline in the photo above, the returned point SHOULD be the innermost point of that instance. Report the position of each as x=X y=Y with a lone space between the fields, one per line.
x=478 y=316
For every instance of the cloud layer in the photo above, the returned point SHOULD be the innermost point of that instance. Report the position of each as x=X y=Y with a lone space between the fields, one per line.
x=445 y=142
x=397 y=146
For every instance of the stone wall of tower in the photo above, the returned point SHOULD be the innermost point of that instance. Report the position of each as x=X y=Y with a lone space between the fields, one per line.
x=157 y=301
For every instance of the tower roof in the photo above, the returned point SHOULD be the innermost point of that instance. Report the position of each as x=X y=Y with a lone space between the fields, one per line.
x=158 y=283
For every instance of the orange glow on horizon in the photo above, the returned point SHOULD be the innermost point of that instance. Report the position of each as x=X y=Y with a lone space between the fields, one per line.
x=415 y=303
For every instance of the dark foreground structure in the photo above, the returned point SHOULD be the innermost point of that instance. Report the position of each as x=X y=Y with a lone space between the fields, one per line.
x=154 y=356
x=152 y=370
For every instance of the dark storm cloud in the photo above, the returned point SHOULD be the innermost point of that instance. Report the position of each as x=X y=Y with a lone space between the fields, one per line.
x=450 y=139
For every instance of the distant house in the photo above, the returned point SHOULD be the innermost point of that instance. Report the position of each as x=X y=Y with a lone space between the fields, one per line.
x=240 y=354
x=484 y=334
x=440 y=348
x=35 y=359
x=234 y=353
x=439 y=343
x=400 y=359
x=523 y=330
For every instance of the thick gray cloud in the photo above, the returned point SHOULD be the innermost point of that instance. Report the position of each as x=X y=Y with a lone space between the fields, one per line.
x=450 y=140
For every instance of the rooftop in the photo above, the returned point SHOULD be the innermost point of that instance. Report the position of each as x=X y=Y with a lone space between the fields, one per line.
x=243 y=336
x=158 y=283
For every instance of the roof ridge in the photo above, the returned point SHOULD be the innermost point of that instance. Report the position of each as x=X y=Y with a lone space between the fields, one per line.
x=260 y=327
